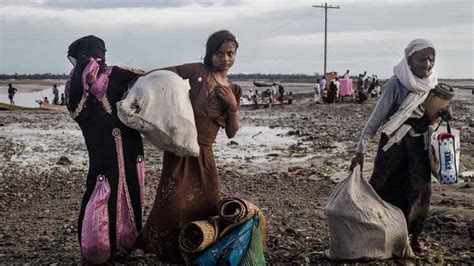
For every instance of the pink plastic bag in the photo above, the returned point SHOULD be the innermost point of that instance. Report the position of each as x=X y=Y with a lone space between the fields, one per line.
x=95 y=242
x=346 y=87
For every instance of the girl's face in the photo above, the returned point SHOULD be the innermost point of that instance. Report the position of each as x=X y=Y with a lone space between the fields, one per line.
x=224 y=58
x=422 y=62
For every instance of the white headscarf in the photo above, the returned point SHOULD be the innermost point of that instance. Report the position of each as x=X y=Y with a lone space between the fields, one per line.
x=395 y=128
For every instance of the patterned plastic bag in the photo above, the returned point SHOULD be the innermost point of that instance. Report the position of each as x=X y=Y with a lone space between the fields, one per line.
x=444 y=155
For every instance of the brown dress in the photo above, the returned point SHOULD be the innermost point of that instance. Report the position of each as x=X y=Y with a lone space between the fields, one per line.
x=189 y=187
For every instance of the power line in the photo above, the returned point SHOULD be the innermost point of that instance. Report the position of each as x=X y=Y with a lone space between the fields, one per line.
x=326 y=6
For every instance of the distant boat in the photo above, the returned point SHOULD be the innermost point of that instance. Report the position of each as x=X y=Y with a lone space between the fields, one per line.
x=54 y=107
x=11 y=107
x=43 y=106
x=264 y=84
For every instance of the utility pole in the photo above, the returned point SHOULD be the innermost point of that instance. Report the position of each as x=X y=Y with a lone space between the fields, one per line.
x=326 y=6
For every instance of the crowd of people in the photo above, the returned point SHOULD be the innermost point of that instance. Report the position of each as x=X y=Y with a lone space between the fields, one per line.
x=330 y=91
x=56 y=99
x=270 y=96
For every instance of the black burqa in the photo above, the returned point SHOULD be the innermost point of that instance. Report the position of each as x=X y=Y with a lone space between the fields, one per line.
x=109 y=142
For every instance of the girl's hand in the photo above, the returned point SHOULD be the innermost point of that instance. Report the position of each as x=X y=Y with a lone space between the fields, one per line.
x=226 y=94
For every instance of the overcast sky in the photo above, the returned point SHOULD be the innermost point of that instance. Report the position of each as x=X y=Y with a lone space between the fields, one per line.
x=275 y=36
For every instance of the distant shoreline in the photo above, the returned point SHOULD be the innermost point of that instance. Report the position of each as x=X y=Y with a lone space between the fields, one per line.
x=32 y=85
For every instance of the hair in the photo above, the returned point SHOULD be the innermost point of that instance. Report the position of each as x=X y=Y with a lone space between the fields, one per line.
x=214 y=42
x=9 y=84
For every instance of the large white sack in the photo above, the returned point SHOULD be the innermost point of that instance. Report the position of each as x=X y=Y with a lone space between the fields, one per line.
x=158 y=106
x=362 y=225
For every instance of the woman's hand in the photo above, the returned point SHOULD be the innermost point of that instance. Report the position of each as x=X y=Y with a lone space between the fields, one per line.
x=226 y=94
x=92 y=76
x=446 y=113
x=358 y=159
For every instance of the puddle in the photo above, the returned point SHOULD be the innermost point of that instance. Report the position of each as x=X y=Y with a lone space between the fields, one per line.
x=254 y=145
x=43 y=147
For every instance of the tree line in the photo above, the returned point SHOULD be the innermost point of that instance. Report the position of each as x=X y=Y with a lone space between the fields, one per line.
x=276 y=77
x=35 y=76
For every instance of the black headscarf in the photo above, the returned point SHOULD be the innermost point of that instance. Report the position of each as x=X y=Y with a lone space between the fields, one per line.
x=78 y=54
x=87 y=46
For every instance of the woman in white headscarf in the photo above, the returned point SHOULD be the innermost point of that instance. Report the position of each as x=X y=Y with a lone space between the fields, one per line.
x=401 y=171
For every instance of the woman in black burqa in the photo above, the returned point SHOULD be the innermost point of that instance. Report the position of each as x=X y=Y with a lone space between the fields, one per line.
x=111 y=210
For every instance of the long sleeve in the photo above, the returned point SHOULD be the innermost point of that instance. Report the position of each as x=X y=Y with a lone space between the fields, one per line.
x=124 y=76
x=233 y=117
x=380 y=113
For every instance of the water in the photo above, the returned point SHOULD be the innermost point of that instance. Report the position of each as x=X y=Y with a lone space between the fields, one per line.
x=28 y=99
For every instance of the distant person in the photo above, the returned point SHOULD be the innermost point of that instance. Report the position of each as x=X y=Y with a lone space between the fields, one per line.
x=401 y=174
x=269 y=94
x=325 y=95
x=317 y=91
x=372 y=84
x=281 y=91
x=249 y=96
x=63 y=100
x=367 y=82
x=56 y=94
x=274 y=91
x=347 y=75
x=360 y=82
x=322 y=85
x=11 y=93
x=255 y=99
x=338 y=87
x=290 y=98
x=332 y=92
x=45 y=100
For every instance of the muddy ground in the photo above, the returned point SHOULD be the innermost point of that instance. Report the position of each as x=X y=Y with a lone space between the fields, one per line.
x=287 y=160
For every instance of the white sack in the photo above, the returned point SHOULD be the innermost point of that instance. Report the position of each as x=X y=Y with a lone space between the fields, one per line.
x=362 y=225
x=158 y=106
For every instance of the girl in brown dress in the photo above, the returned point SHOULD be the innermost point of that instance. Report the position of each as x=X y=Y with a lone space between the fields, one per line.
x=189 y=187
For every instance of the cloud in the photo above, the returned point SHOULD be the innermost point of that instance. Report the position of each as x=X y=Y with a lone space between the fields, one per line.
x=101 y=4
x=275 y=36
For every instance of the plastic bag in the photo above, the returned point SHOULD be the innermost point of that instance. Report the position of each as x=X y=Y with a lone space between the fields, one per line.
x=362 y=225
x=444 y=155
x=158 y=106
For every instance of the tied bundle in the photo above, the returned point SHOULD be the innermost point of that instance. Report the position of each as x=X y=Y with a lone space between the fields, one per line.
x=197 y=236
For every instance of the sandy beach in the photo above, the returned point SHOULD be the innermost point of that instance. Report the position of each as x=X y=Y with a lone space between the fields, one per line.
x=286 y=159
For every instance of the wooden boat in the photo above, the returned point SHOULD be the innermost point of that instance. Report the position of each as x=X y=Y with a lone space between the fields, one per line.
x=261 y=105
x=53 y=107
x=264 y=84
x=10 y=107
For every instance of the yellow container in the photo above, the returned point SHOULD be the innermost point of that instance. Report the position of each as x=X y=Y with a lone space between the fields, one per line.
x=438 y=99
